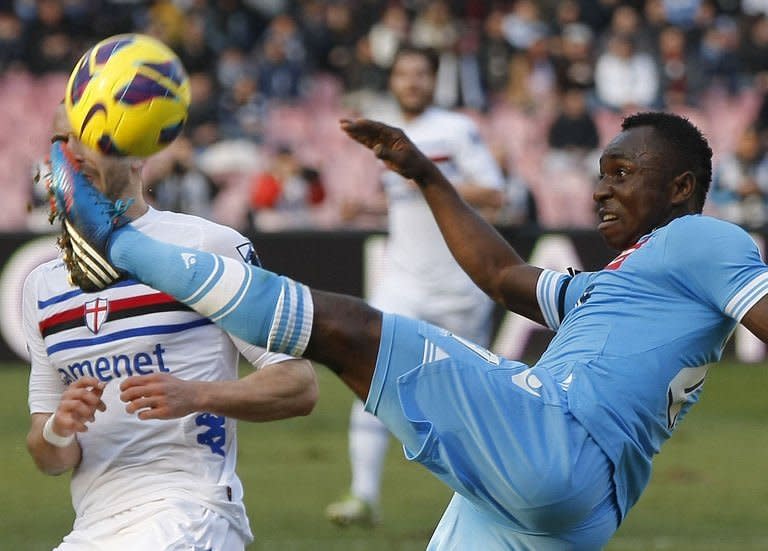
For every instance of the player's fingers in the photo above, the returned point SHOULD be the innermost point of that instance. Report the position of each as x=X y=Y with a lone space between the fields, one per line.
x=142 y=380
x=365 y=131
x=101 y=406
x=145 y=390
x=88 y=397
x=68 y=422
x=143 y=402
x=87 y=382
x=153 y=413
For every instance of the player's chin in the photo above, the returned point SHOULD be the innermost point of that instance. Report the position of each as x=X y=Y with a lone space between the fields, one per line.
x=613 y=236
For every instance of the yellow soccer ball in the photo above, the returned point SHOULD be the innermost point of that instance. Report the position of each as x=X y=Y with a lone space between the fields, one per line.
x=128 y=96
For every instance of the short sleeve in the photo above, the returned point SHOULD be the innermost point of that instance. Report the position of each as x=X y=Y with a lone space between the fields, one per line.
x=45 y=384
x=558 y=293
x=721 y=263
x=257 y=356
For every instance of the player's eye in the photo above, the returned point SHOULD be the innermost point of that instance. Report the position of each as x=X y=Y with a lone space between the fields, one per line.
x=60 y=138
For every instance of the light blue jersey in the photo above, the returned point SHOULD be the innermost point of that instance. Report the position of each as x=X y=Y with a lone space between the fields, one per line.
x=634 y=339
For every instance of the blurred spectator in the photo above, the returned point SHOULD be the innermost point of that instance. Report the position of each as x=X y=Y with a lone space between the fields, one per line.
x=495 y=55
x=176 y=183
x=567 y=12
x=387 y=34
x=719 y=54
x=194 y=50
x=740 y=183
x=166 y=22
x=230 y=66
x=597 y=13
x=655 y=16
x=519 y=207
x=229 y=24
x=365 y=81
x=569 y=164
x=202 y=125
x=754 y=49
x=626 y=21
x=435 y=27
x=50 y=40
x=679 y=71
x=317 y=36
x=573 y=130
x=279 y=65
x=283 y=196
x=242 y=110
x=11 y=42
x=681 y=13
x=574 y=63
x=523 y=25
x=343 y=33
x=624 y=77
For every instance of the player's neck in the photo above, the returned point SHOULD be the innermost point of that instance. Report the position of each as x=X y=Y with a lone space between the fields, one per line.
x=408 y=116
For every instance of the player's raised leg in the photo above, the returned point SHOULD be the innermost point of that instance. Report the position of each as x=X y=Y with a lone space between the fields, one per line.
x=259 y=306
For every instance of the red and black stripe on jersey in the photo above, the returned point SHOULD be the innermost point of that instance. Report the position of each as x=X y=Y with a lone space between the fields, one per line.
x=118 y=309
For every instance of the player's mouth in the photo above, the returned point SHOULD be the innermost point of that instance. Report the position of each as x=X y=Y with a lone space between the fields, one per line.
x=606 y=220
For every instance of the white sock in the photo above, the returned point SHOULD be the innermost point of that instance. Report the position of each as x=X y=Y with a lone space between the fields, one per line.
x=368 y=442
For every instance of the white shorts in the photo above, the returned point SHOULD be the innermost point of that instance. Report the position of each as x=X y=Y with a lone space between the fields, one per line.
x=466 y=314
x=164 y=525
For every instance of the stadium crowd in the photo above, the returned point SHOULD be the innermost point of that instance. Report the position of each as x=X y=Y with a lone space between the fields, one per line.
x=547 y=81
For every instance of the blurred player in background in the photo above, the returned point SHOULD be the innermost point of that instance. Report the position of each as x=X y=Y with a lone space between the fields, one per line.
x=138 y=395
x=421 y=279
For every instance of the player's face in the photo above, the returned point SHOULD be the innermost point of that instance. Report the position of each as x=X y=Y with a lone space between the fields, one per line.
x=632 y=194
x=412 y=83
x=111 y=176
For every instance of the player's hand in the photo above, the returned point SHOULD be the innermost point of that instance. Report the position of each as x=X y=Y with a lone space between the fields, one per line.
x=78 y=406
x=158 y=396
x=391 y=145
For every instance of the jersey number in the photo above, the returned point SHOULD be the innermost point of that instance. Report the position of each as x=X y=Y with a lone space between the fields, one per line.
x=216 y=435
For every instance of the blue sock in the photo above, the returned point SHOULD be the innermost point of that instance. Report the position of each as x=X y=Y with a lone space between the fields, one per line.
x=256 y=305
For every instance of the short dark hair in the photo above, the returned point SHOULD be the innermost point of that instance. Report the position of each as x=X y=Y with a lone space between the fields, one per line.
x=431 y=55
x=688 y=147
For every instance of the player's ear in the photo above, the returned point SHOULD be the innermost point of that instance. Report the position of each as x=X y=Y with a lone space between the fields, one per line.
x=683 y=188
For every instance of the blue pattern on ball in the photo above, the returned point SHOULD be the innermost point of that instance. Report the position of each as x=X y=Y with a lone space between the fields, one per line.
x=108 y=147
x=142 y=89
x=172 y=70
x=108 y=49
x=82 y=78
x=169 y=133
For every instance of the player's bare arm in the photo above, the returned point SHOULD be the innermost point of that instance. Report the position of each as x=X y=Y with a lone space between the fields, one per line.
x=78 y=406
x=483 y=254
x=756 y=320
x=277 y=391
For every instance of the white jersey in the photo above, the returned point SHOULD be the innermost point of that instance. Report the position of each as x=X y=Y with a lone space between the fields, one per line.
x=421 y=271
x=131 y=329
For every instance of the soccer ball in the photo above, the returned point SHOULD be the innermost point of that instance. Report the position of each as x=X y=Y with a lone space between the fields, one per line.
x=128 y=96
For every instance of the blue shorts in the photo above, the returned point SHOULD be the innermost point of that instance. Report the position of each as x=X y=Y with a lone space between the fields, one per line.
x=527 y=474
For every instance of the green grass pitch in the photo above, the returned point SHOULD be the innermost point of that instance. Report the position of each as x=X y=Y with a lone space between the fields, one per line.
x=709 y=489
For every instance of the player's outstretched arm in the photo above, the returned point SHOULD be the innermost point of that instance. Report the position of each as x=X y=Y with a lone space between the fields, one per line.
x=480 y=250
x=50 y=440
x=277 y=391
